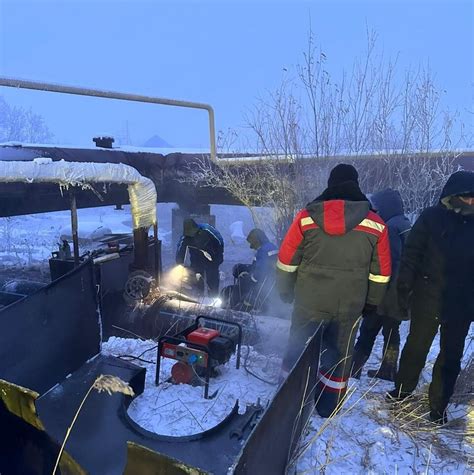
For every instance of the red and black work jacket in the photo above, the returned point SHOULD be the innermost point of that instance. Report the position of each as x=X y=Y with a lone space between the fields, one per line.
x=335 y=258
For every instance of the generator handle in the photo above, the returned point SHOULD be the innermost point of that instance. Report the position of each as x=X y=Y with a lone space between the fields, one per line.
x=226 y=322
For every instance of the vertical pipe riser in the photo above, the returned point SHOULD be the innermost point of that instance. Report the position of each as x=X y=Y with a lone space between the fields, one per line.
x=74 y=228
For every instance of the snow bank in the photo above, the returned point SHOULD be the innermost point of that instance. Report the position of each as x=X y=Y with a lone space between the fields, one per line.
x=30 y=239
x=90 y=232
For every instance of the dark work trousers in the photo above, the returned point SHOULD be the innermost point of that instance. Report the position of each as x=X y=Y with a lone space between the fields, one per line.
x=247 y=295
x=234 y=296
x=370 y=328
x=423 y=329
x=335 y=359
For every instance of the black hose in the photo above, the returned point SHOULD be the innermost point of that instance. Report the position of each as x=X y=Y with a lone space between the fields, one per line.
x=139 y=357
x=132 y=357
x=252 y=373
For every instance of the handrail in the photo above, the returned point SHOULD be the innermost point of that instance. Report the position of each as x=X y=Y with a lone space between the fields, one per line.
x=80 y=91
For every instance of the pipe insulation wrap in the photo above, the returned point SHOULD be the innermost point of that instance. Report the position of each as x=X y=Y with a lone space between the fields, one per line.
x=141 y=190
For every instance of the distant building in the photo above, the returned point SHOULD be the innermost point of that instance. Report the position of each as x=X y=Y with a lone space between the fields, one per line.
x=157 y=142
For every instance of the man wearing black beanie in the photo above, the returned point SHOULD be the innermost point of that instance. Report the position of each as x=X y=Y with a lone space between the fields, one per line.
x=343 y=184
x=342 y=173
x=334 y=262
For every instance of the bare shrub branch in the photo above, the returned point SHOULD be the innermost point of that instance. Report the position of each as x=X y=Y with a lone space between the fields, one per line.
x=372 y=110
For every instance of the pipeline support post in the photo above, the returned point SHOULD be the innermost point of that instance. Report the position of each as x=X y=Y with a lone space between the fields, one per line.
x=140 y=248
x=74 y=227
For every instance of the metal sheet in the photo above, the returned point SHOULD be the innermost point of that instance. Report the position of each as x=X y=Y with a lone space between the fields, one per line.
x=269 y=447
x=50 y=334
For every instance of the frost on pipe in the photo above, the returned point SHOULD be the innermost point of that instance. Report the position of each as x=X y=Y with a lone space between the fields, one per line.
x=141 y=190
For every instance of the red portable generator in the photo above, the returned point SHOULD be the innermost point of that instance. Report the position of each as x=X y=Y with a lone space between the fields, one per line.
x=199 y=350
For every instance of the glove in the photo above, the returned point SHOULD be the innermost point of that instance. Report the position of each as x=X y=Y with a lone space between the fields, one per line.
x=369 y=309
x=239 y=269
x=287 y=297
x=404 y=294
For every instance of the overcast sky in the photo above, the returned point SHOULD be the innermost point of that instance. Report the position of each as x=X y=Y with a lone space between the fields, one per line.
x=223 y=52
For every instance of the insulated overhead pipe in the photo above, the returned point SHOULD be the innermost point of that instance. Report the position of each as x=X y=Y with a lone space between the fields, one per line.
x=80 y=91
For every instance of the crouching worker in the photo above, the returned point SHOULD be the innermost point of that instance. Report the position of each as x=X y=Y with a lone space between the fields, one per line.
x=334 y=261
x=253 y=283
x=387 y=317
x=206 y=253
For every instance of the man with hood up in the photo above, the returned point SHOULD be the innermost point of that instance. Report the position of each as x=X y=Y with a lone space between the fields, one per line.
x=205 y=246
x=254 y=282
x=334 y=262
x=389 y=206
x=436 y=282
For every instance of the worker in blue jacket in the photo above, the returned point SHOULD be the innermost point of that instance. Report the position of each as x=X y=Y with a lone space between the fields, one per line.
x=387 y=316
x=205 y=246
x=254 y=282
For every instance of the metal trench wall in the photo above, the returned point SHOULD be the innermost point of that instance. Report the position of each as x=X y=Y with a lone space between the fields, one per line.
x=272 y=442
x=44 y=338
x=48 y=335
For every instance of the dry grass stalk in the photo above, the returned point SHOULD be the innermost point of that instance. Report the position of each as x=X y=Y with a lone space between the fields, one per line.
x=343 y=407
x=105 y=382
x=410 y=418
x=112 y=384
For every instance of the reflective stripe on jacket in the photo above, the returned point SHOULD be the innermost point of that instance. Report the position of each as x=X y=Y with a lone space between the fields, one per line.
x=335 y=257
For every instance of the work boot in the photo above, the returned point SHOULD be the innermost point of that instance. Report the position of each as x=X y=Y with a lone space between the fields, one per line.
x=396 y=396
x=388 y=367
x=438 y=417
x=358 y=362
x=385 y=372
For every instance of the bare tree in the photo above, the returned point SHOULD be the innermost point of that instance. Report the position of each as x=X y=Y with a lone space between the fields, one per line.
x=372 y=110
x=23 y=125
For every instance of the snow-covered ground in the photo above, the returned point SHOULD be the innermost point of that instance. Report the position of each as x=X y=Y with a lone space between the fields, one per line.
x=181 y=409
x=367 y=437
x=30 y=239
x=370 y=437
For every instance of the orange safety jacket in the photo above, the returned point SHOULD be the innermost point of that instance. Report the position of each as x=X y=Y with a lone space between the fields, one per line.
x=334 y=259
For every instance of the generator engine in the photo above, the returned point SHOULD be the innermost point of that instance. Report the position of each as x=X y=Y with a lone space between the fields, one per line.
x=199 y=350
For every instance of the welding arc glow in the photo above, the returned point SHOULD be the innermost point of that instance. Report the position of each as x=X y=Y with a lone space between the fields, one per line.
x=177 y=275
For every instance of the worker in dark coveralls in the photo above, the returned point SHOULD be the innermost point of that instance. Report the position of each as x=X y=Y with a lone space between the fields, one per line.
x=205 y=246
x=254 y=283
x=334 y=262
x=389 y=206
x=436 y=283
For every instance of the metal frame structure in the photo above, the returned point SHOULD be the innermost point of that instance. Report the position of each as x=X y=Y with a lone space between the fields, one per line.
x=123 y=96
